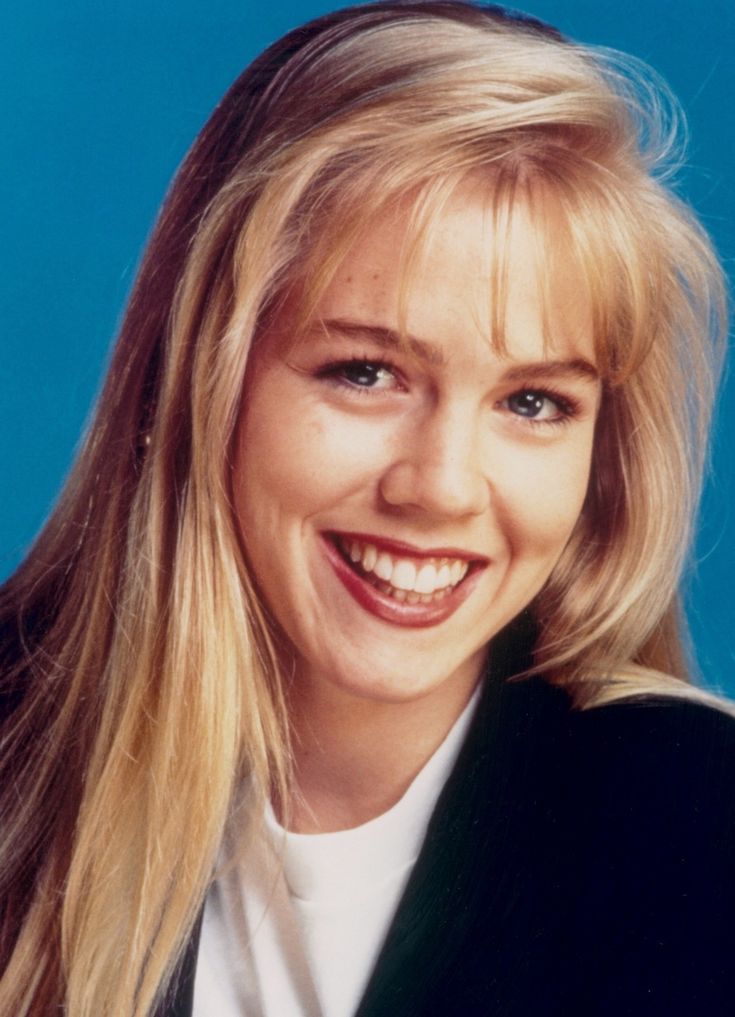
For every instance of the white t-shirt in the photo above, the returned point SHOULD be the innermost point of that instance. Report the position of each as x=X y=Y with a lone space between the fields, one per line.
x=293 y=929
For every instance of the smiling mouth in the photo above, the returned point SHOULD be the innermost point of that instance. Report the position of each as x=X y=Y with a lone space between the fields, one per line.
x=405 y=579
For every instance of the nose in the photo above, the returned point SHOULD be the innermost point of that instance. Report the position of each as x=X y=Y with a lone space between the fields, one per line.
x=437 y=469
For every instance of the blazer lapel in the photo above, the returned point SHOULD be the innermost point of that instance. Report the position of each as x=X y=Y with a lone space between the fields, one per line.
x=485 y=862
x=179 y=1000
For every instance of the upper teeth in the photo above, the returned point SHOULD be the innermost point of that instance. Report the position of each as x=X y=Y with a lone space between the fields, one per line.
x=424 y=575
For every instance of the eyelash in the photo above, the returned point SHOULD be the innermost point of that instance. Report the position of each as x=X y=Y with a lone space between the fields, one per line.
x=335 y=373
x=567 y=408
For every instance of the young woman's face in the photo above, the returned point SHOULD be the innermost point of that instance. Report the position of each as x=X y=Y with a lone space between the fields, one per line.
x=399 y=507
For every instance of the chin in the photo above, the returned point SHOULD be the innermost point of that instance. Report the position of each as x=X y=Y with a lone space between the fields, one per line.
x=395 y=680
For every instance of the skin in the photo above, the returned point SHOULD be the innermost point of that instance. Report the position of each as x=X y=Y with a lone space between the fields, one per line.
x=343 y=431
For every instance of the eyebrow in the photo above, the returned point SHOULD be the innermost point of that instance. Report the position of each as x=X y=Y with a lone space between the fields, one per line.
x=386 y=337
x=574 y=367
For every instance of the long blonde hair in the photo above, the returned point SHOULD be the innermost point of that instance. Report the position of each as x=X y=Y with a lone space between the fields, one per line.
x=140 y=673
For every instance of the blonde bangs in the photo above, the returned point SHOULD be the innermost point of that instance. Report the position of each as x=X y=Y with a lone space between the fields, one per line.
x=506 y=190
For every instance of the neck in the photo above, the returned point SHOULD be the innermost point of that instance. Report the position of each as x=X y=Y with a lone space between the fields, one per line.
x=355 y=757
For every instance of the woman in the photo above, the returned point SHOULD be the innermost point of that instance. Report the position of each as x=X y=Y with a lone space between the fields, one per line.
x=409 y=401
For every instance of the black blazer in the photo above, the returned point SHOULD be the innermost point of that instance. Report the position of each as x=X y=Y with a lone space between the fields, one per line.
x=576 y=863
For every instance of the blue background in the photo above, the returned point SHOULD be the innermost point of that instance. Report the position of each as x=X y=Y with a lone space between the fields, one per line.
x=103 y=101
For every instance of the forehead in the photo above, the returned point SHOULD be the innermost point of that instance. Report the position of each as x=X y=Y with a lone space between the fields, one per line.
x=474 y=275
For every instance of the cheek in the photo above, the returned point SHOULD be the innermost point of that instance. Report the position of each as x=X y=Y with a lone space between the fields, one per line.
x=544 y=497
x=274 y=470
x=295 y=457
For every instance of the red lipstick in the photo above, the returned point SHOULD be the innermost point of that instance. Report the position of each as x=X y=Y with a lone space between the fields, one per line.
x=400 y=549
x=386 y=607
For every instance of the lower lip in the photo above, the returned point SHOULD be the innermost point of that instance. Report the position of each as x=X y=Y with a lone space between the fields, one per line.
x=385 y=607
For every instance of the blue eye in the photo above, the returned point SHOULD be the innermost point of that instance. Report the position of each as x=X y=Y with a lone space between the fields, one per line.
x=528 y=404
x=361 y=374
x=539 y=406
x=365 y=373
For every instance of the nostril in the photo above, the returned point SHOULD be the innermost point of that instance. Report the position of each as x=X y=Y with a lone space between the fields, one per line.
x=435 y=489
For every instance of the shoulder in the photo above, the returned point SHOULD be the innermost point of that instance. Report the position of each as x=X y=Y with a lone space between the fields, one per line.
x=652 y=737
x=657 y=738
x=636 y=743
x=647 y=786
x=646 y=802
x=622 y=784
